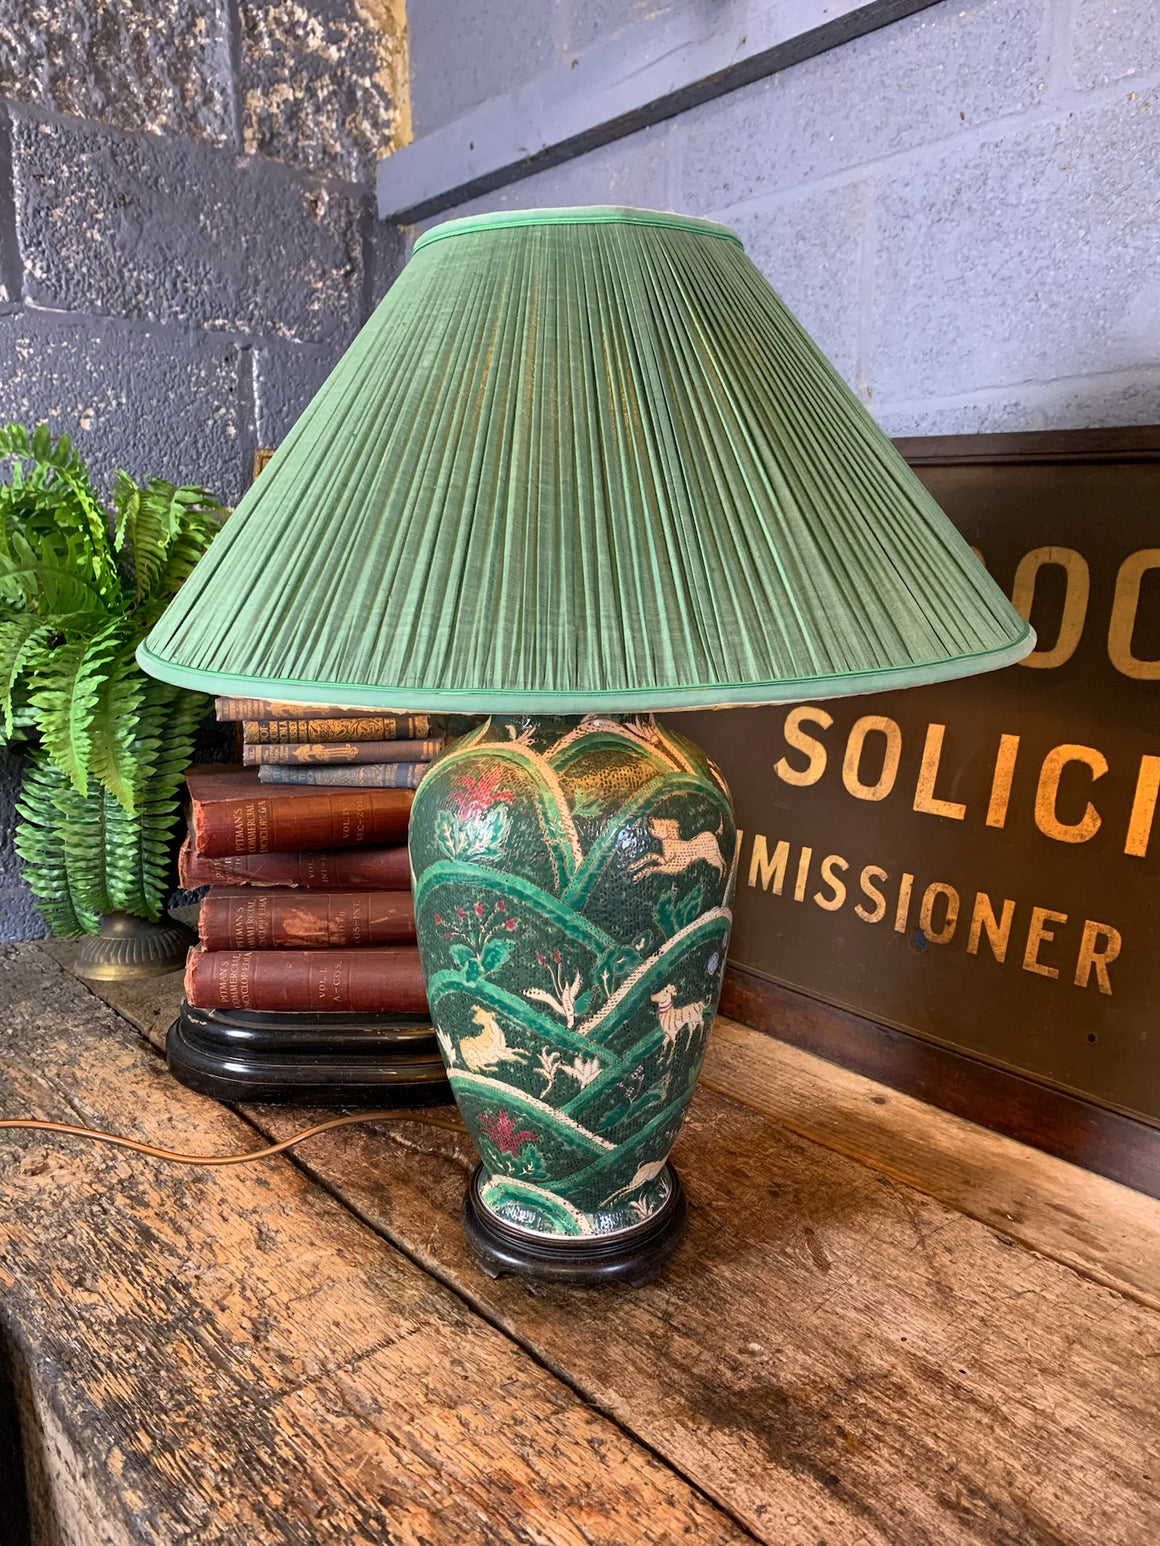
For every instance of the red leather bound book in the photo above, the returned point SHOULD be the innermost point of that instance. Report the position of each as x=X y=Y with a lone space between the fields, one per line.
x=233 y=813
x=271 y=918
x=385 y=979
x=336 y=869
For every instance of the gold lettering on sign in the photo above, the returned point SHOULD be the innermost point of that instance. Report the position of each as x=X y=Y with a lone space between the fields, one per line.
x=997 y=930
x=1143 y=807
x=1038 y=934
x=1123 y=622
x=837 y=887
x=902 y=911
x=871 y=873
x=1075 y=601
x=1046 y=816
x=1090 y=957
x=925 y=798
x=801 y=742
x=768 y=867
x=852 y=762
x=1100 y=945
x=1001 y=781
x=930 y=896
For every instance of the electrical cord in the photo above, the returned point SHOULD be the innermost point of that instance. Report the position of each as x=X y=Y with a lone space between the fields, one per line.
x=176 y=1157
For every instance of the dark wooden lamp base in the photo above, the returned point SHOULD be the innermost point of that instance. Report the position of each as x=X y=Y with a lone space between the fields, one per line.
x=315 y=1059
x=632 y=1256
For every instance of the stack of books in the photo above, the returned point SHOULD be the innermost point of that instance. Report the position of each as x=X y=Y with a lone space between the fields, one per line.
x=310 y=905
x=307 y=931
x=358 y=748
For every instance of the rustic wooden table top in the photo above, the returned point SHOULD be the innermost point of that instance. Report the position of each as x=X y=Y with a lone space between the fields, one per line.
x=887 y=1326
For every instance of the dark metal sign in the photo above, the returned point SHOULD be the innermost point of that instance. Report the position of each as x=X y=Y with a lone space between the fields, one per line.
x=977 y=862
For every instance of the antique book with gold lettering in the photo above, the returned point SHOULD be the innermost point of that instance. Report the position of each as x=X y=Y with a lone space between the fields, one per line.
x=327 y=869
x=383 y=980
x=233 y=812
x=325 y=753
x=276 y=918
x=381 y=727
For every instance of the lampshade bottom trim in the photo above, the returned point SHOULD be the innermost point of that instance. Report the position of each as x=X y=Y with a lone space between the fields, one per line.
x=712 y=695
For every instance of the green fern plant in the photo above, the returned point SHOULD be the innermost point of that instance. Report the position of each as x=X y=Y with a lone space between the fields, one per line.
x=80 y=587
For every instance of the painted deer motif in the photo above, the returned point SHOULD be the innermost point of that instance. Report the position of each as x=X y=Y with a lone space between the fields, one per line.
x=484 y=1053
x=675 y=1018
x=677 y=852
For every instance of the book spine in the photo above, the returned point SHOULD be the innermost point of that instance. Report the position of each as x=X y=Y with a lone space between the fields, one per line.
x=269 y=823
x=271 y=708
x=311 y=753
x=371 y=775
x=290 y=920
x=371 y=869
x=380 y=980
x=394 y=727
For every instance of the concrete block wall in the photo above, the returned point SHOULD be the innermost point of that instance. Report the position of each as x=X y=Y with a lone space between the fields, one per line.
x=186 y=234
x=962 y=207
x=187 y=237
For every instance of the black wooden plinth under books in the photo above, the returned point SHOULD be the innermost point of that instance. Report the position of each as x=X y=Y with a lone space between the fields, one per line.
x=315 y=1059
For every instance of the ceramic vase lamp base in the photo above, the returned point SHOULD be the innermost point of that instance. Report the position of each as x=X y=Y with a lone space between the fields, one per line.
x=573 y=894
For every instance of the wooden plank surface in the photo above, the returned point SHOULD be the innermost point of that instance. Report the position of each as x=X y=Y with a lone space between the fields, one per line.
x=834 y=1355
x=1107 y=1231
x=229 y=1356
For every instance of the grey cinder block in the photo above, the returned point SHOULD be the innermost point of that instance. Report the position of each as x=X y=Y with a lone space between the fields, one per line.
x=160 y=67
x=286 y=377
x=169 y=231
x=1031 y=256
x=462 y=55
x=316 y=79
x=1113 y=40
x=938 y=73
x=153 y=400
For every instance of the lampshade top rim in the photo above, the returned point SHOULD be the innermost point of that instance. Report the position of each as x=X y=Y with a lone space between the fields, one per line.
x=594 y=214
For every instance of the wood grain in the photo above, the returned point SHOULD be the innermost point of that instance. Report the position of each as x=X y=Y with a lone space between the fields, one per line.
x=1074 y=1129
x=834 y=1355
x=1106 y=1231
x=230 y=1356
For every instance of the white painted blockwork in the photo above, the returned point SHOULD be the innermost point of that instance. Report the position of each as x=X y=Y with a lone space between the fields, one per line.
x=961 y=206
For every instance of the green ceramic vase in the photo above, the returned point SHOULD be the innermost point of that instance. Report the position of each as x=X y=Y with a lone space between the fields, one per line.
x=573 y=890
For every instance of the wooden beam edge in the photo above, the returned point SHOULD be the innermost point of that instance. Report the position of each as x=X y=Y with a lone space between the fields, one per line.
x=563 y=114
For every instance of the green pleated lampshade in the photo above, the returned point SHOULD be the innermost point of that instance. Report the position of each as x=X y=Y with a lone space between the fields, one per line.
x=580 y=460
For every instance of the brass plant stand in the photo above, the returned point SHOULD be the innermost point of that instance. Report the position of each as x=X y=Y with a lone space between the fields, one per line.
x=129 y=947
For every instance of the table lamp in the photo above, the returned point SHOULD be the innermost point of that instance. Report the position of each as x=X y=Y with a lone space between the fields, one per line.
x=581 y=465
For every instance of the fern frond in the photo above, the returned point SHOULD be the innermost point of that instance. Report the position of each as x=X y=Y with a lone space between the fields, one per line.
x=140 y=846
x=15 y=440
x=161 y=532
x=150 y=525
x=50 y=573
x=54 y=499
x=113 y=755
x=60 y=839
x=20 y=637
x=67 y=695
